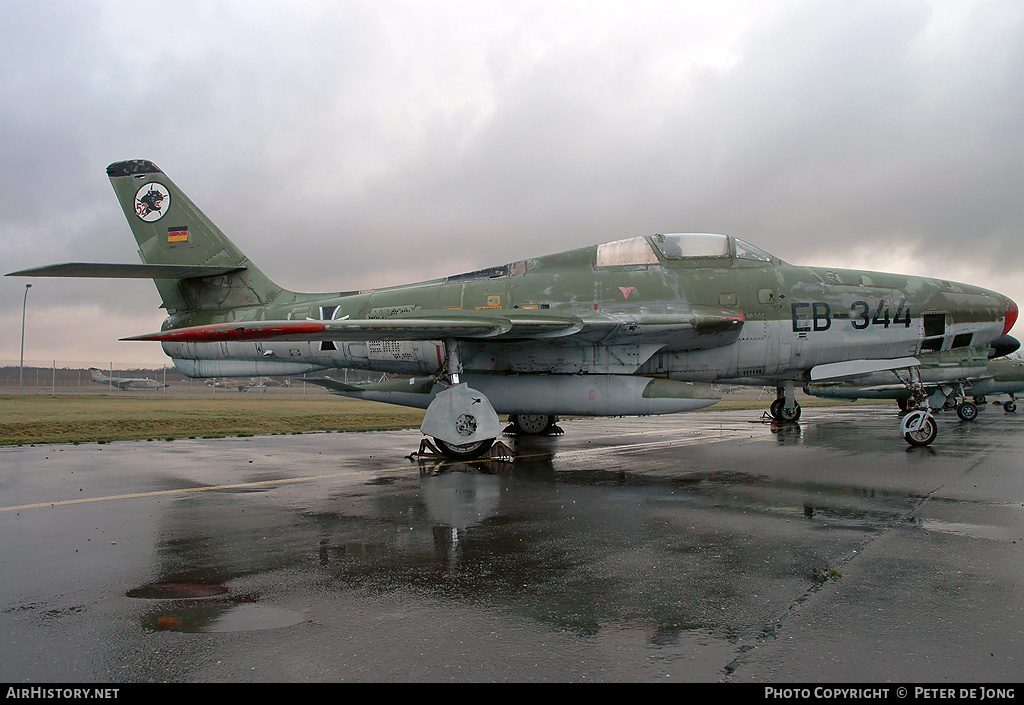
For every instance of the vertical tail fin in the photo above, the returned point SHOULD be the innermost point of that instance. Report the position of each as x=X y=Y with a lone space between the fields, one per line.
x=170 y=229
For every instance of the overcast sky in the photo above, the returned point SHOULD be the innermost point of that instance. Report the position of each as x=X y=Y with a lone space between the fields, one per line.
x=348 y=145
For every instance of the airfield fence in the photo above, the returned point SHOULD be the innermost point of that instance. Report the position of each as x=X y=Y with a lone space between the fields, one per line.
x=56 y=377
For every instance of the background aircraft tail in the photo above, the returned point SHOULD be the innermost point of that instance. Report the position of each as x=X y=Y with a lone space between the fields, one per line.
x=171 y=230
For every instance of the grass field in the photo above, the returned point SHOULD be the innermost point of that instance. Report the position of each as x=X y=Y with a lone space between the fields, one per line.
x=91 y=417
x=82 y=418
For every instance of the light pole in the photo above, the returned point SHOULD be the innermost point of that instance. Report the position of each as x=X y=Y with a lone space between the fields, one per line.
x=21 y=364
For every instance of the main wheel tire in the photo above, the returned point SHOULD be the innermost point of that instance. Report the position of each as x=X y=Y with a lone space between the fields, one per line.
x=775 y=410
x=532 y=424
x=924 y=435
x=980 y=399
x=1010 y=407
x=967 y=411
x=467 y=451
x=789 y=415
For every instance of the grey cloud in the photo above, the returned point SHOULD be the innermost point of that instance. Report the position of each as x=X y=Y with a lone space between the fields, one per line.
x=348 y=144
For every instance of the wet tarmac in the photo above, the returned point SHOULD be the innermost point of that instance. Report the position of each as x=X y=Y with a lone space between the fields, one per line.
x=688 y=548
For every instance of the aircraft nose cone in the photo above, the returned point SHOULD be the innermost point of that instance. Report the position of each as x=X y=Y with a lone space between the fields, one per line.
x=1003 y=346
x=1011 y=315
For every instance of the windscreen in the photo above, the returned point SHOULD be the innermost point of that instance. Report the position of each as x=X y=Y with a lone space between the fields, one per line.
x=744 y=250
x=692 y=245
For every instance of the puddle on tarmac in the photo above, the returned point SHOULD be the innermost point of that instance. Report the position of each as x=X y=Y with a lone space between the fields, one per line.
x=220 y=618
x=184 y=613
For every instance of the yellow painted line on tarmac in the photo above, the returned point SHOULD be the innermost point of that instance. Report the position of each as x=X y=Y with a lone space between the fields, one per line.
x=206 y=488
x=158 y=493
x=311 y=478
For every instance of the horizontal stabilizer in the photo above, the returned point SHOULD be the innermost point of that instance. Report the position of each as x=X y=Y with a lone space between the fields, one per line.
x=126 y=271
x=855 y=368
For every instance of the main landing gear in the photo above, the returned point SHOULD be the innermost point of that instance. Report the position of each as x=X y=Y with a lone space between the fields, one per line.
x=785 y=408
x=966 y=410
x=1008 y=406
x=532 y=425
x=461 y=421
x=953 y=396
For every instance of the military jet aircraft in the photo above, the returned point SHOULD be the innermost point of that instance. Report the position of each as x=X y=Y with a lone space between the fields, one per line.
x=125 y=382
x=949 y=378
x=630 y=327
x=1005 y=376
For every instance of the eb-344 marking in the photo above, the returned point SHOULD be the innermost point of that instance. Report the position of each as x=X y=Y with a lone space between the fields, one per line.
x=818 y=315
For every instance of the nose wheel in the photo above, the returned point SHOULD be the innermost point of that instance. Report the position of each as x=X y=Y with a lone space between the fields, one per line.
x=918 y=425
x=785 y=408
x=919 y=428
x=783 y=414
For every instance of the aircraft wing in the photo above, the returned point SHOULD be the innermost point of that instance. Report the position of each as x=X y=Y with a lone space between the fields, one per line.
x=694 y=329
x=363 y=329
x=125 y=271
x=856 y=368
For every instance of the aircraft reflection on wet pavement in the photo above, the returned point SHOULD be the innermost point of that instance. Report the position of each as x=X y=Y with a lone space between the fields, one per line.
x=511 y=535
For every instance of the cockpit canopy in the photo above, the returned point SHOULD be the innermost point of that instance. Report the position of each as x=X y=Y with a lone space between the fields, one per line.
x=677 y=246
x=744 y=250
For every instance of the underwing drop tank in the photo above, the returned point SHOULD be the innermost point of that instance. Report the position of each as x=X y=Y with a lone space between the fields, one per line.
x=568 y=395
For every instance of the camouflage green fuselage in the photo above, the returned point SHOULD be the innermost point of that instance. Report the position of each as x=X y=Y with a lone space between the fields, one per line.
x=792 y=317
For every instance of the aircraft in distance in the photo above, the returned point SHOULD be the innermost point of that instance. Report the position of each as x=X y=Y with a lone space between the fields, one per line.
x=948 y=377
x=249 y=384
x=631 y=327
x=125 y=382
x=262 y=383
